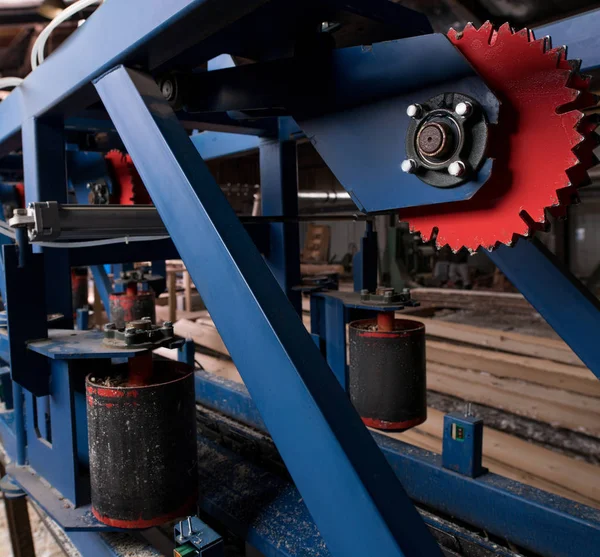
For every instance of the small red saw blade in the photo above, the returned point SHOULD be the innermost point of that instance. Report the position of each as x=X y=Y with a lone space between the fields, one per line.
x=541 y=146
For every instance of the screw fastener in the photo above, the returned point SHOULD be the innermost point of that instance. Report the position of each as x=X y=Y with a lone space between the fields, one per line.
x=414 y=110
x=463 y=109
x=409 y=166
x=457 y=168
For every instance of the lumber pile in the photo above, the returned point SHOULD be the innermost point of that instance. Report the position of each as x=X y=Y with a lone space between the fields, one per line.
x=472 y=299
x=523 y=375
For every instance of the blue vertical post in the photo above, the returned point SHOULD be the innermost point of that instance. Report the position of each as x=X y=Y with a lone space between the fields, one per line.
x=550 y=288
x=335 y=339
x=364 y=263
x=45 y=174
x=187 y=353
x=345 y=481
x=279 y=196
x=103 y=286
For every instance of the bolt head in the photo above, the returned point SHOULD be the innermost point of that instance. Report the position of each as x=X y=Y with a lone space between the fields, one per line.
x=414 y=110
x=167 y=88
x=20 y=212
x=167 y=324
x=130 y=331
x=463 y=109
x=110 y=327
x=457 y=168
x=409 y=166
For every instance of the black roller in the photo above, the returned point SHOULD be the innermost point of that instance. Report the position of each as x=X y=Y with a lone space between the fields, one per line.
x=142 y=444
x=387 y=372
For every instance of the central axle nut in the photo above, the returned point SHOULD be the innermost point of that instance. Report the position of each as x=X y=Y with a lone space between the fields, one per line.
x=435 y=139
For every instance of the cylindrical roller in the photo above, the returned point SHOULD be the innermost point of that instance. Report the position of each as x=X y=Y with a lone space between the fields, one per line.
x=142 y=447
x=132 y=305
x=387 y=372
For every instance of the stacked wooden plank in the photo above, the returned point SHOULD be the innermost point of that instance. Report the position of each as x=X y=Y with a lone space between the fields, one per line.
x=472 y=299
x=523 y=375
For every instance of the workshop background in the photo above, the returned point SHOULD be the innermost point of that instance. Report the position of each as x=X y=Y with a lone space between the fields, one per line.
x=554 y=429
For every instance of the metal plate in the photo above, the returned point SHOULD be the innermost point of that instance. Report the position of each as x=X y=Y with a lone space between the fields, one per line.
x=67 y=344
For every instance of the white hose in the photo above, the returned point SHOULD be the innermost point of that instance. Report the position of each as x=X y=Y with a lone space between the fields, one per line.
x=37 y=51
x=93 y=243
x=6 y=82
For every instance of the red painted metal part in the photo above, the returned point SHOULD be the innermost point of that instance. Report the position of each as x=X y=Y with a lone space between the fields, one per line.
x=143 y=523
x=542 y=143
x=130 y=189
x=385 y=320
x=394 y=426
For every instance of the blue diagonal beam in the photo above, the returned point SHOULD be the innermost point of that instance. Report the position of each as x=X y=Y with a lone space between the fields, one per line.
x=560 y=298
x=350 y=490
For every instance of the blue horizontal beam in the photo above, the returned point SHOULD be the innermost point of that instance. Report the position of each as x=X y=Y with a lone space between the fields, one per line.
x=530 y=518
x=212 y=145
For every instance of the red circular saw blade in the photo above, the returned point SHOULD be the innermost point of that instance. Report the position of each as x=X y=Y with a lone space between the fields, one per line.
x=538 y=146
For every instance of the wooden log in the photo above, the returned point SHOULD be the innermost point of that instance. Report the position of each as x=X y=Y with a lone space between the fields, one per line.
x=527 y=345
x=499 y=364
x=172 y=296
x=202 y=334
x=558 y=408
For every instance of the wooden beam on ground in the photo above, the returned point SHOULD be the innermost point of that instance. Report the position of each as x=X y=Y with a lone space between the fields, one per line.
x=558 y=408
x=172 y=288
x=202 y=334
x=527 y=345
x=500 y=364
x=472 y=299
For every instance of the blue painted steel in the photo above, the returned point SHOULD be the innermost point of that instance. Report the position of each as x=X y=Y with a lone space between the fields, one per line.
x=212 y=145
x=530 y=518
x=83 y=318
x=4 y=344
x=44 y=166
x=6 y=385
x=580 y=34
x=364 y=262
x=67 y=344
x=186 y=353
x=20 y=455
x=8 y=437
x=269 y=345
x=550 y=288
x=103 y=285
x=336 y=317
x=25 y=296
x=85 y=167
x=463 y=444
x=279 y=196
x=61 y=511
x=55 y=459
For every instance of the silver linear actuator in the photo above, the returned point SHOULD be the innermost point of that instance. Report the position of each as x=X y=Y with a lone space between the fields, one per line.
x=49 y=221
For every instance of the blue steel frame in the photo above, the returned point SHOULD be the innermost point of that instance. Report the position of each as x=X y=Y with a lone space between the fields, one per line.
x=306 y=411
x=270 y=344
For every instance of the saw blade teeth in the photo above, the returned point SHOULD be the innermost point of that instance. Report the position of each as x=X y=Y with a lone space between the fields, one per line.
x=504 y=31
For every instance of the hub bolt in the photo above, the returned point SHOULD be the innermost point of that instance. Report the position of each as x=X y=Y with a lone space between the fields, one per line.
x=409 y=166
x=463 y=109
x=457 y=168
x=414 y=110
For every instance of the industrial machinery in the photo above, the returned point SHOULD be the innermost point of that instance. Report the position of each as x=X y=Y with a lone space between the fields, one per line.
x=478 y=134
